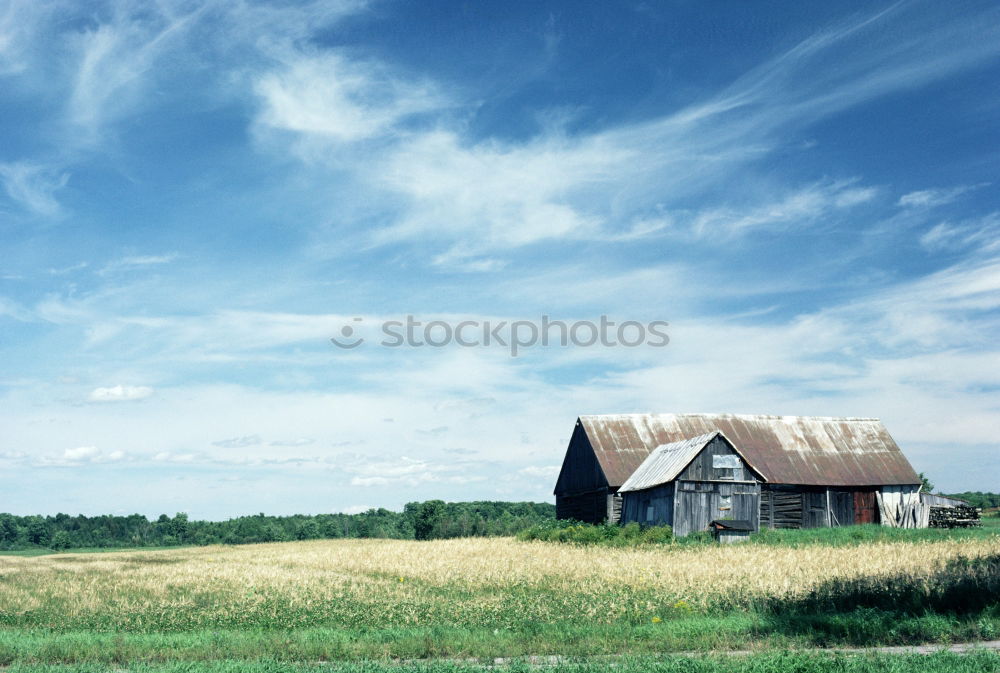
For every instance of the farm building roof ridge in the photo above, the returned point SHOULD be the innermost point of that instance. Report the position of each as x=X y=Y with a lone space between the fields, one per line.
x=804 y=450
x=725 y=415
x=665 y=462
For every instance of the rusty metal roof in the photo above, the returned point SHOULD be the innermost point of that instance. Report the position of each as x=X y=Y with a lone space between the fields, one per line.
x=805 y=450
x=665 y=462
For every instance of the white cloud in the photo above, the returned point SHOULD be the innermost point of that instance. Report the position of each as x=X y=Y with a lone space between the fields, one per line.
x=12 y=309
x=932 y=198
x=794 y=210
x=293 y=442
x=474 y=197
x=81 y=453
x=115 y=61
x=238 y=442
x=120 y=393
x=33 y=186
x=983 y=233
x=19 y=23
x=408 y=472
x=541 y=471
x=490 y=196
x=332 y=97
x=170 y=457
x=131 y=262
x=356 y=509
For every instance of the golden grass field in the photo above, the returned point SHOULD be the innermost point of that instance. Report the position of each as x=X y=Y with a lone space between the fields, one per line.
x=491 y=582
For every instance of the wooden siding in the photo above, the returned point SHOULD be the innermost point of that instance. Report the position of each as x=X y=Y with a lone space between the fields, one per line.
x=614 y=508
x=783 y=506
x=841 y=507
x=581 y=472
x=636 y=504
x=780 y=507
x=703 y=491
x=701 y=467
x=590 y=507
x=698 y=503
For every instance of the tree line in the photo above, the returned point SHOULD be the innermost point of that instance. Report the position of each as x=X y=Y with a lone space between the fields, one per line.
x=979 y=499
x=432 y=519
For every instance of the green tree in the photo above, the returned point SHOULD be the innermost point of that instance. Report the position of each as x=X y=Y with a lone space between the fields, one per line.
x=428 y=516
x=8 y=529
x=309 y=530
x=61 y=540
x=179 y=526
x=38 y=531
x=925 y=484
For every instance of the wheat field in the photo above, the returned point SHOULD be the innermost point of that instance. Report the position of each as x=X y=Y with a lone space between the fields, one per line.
x=484 y=582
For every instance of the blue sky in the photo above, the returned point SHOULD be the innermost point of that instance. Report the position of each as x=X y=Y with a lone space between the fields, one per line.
x=197 y=196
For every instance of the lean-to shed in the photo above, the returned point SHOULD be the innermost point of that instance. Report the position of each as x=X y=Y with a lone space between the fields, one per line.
x=688 y=484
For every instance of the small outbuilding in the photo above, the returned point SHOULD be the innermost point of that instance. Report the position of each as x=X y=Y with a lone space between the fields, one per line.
x=729 y=531
x=689 y=483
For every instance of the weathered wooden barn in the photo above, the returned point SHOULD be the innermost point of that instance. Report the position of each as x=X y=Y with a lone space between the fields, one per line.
x=809 y=471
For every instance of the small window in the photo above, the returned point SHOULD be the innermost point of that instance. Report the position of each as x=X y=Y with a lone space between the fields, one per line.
x=725 y=502
x=650 y=510
x=725 y=462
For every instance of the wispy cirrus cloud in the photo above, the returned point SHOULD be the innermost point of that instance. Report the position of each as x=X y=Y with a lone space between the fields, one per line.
x=473 y=198
x=797 y=209
x=982 y=234
x=34 y=186
x=115 y=61
x=932 y=198
x=132 y=262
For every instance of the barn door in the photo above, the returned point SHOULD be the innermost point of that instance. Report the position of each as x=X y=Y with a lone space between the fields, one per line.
x=841 y=508
x=865 y=507
x=814 y=512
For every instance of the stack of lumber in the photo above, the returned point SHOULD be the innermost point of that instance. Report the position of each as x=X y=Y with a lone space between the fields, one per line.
x=954 y=517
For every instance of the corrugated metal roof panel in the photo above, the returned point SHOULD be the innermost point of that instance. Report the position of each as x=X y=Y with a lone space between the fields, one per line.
x=806 y=450
x=665 y=462
x=941 y=500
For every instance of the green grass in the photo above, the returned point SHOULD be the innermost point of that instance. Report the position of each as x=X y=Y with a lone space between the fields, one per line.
x=42 y=551
x=867 y=533
x=774 y=662
x=611 y=535
x=741 y=630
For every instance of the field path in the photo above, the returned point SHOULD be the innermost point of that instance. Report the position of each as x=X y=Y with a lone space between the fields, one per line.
x=551 y=660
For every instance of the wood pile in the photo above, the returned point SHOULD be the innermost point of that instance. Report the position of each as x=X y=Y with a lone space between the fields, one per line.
x=954 y=517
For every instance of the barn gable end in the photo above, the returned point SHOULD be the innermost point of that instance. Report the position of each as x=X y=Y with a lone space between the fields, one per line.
x=582 y=490
x=689 y=483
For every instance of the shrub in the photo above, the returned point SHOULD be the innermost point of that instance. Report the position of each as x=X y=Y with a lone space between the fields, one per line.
x=658 y=535
x=606 y=534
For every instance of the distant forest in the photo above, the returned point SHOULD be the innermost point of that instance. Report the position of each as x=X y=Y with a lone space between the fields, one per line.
x=978 y=498
x=432 y=519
